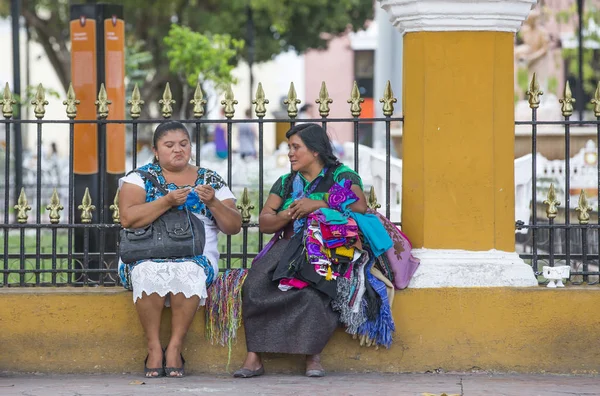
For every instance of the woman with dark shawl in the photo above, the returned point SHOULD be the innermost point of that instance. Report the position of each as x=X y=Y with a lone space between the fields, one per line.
x=317 y=271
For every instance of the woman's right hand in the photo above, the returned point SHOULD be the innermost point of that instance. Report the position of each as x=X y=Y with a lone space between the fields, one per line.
x=178 y=197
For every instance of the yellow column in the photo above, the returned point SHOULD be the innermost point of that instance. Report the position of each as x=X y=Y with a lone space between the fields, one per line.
x=458 y=140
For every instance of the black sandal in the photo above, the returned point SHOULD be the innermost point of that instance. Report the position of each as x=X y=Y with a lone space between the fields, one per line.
x=160 y=371
x=179 y=371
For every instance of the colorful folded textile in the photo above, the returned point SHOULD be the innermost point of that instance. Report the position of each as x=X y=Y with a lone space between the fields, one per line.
x=345 y=251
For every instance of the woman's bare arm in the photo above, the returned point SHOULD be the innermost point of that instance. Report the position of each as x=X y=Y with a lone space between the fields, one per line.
x=270 y=221
x=136 y=212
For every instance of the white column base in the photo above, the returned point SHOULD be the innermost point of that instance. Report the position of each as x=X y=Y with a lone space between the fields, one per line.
x=463 y=268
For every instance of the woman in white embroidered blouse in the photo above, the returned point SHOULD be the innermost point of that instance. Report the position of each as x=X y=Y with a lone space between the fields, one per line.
x=178 y=283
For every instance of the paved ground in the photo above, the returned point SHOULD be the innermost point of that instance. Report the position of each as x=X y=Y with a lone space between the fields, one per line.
x=333 y=384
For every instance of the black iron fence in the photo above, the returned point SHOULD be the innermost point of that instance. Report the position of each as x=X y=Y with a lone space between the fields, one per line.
x=63 y=230
x=563 y=228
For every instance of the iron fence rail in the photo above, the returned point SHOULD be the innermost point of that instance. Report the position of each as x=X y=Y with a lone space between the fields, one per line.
x=578 y=243
x=80 y=248
x=49 y=242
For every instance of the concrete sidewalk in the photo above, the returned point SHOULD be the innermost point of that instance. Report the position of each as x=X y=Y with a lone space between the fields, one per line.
x=467 y=384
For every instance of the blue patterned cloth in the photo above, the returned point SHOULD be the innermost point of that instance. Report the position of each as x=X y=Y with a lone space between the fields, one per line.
x=193 y=203
x=299 y=193
x=382 y=328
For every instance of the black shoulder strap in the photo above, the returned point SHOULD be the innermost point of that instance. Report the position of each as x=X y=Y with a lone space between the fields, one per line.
x=152 y=180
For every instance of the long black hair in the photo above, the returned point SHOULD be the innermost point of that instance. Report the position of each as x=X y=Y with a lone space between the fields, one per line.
x=165 y=127
x=315 y=139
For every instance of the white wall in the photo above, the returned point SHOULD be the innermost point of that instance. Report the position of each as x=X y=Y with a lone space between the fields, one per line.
x=41 y=71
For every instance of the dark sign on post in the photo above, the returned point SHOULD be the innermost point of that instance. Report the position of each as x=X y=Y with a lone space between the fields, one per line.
x=98 y=57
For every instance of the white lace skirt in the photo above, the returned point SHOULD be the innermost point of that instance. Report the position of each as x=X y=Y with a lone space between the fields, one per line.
x=163 y=278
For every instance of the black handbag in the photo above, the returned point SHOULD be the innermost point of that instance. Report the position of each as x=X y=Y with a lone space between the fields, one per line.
x=177 y=233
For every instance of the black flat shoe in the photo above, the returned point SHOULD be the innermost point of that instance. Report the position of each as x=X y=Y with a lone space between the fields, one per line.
x=315 y=373
x=247 y=373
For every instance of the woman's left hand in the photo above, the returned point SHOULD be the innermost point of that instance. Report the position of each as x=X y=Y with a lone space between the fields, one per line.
x=303 y=207
x=206 y=194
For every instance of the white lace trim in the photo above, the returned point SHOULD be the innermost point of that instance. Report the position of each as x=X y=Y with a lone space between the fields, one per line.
x=184 y=277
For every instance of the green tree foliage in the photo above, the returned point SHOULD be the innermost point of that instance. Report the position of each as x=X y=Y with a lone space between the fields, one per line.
x=200 y=57
x=278 y=26
x=193 y=55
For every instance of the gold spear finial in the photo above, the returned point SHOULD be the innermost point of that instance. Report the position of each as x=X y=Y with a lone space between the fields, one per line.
x=583 y=208
x=136 y=103
x=71 y=103
x=534 y=93
x=596 y=101
x=198 y=101
x=245 y=206
x=552 y=202
x=292 y=102
x=39 y=102
x=355 y=101
x=86 y=207
x=102 y=103
x=324 y=100
x=166 y=102
x=54 y=207
x=116 y=216
x=388 y=100
x=7 y=102
x=567 y=101
x=372 y=200
x=229 y=102
x=260 y=102
x=22 y=207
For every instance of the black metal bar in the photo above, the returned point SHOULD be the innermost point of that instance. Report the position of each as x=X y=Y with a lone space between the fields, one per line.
x=244 y=246
x=60 y=226
x=584 y=253
x=551 y=243
x=356 y=144
x=598 y=175
x=78 y=256
x=558 y=226
x=102 y=194
x=134 y=130
x=54 y=256
x=567 y=191
x=198 y=144
x=38 y=201
x=49 y=271
x=557 y=257
x=229 y=183
x=388 y=161
x=261 y=184
x=48 y=256
x=86 y=254
x=22 y=256
x=534 y=263
x=71 y=212
x=6 y=198
x=562 y=122
x=117 y=256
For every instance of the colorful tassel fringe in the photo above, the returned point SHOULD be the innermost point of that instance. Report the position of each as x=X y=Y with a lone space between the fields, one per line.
x=224 y=308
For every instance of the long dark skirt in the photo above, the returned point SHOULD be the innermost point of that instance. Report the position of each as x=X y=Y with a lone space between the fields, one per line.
x=294 y=321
